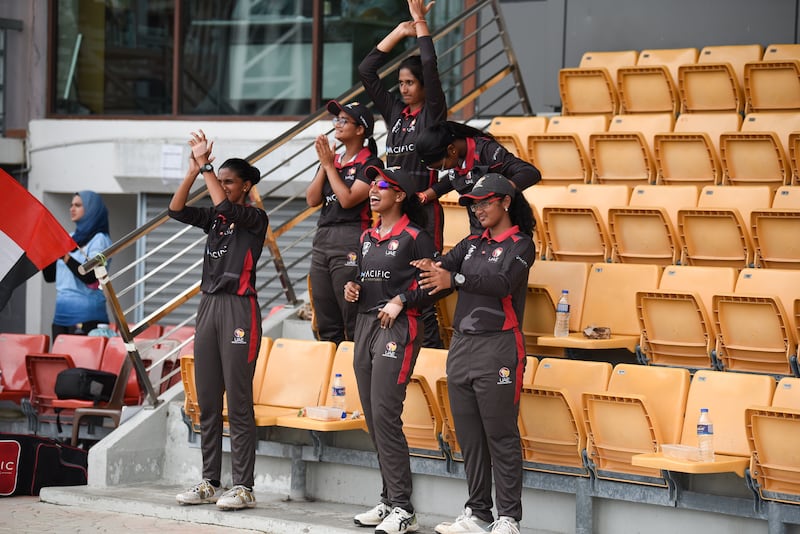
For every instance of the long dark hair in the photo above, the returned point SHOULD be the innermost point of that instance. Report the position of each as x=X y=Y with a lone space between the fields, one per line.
x=432 y=142
x=521 y=214
x=242 y=169
x=414 y=64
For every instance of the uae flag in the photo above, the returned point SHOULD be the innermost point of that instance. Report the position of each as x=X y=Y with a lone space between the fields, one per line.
x=30 y=237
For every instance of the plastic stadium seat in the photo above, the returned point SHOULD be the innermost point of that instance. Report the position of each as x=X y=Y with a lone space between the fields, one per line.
x=512 y=132
x=13 y=348
x=690 y=154
x=546 y=279
x=610 y=301
x=715 y=82
x=296 y=376
x=675 y=320
x=717 y=232
x=85 y=351
x=644 y=231
x=561 y=154
x=551 y=422
x=727 y=396
x=191 y=406
x=642 y=407
x=538 y=197
x=651 y=85
x=422 y=415
x=577 y=229
x=456 y=220
x=773 y=84
x=756 y=329
x=42 y=369
x=591 y=88
x=342 y=363
x=757 y=154
x=794 y=157
x=624 y=154
x=775 y=231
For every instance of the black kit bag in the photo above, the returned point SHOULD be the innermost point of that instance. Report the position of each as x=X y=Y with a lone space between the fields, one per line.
x=85 y=384
x=30 y=463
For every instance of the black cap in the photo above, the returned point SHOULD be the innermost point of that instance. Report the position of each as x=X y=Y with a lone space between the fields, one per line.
x=489 y=185
x=359 y=112
x=395 y=176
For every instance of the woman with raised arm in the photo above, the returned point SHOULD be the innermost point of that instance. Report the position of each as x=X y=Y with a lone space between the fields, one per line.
x=228 y=324
x=486 y=359
x=421 y=103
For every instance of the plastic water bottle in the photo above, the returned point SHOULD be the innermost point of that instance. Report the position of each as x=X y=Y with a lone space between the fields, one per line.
x=705 y=436
x=339 y=399
x=102 y=330
x=562 y=315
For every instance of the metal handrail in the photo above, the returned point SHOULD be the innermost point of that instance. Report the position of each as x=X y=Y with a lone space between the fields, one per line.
x=482 y=84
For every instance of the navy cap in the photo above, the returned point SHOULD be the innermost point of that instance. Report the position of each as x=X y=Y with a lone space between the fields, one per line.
x=395 y=176
x=489 y=185
x=359 y=112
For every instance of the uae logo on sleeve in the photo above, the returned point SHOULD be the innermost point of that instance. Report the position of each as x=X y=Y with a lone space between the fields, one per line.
x=391 y=350
x=351 y=260
x=238 y=337
x=505 y=376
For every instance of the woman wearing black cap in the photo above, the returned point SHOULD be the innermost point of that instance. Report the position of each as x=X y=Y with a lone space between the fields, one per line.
x=389 y=335
x=486 y=358
x=228 y=326
x=341 y=187
x=468 y=153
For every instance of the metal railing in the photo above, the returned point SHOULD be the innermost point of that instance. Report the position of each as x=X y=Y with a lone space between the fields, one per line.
x=481 y=79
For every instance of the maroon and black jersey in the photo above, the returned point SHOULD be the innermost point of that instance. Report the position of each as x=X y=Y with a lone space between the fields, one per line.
x=235 y=240
x=332 y=213
x=385 y=270
x=492 y=297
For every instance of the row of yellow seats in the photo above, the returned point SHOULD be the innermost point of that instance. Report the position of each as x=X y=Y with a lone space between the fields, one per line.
x=656 y=148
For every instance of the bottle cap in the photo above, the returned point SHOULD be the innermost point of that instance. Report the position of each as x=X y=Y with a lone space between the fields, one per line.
x=564 y=291
x=702 y=410
x=338 y=374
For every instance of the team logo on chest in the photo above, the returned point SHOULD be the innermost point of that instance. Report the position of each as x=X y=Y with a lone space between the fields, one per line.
x=504 y=374
x=351 y=260
x=496 y=254
x=469 y=252
x=238 y=337
x=391 y=248
x=391 y=350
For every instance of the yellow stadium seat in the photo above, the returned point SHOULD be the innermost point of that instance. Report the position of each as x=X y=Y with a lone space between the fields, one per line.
x=642 y=407
x=422 y=415
x=650 y=86
x=296 y=375
x=456 y=220
x=610 y=301
x=551 y=414
x=775 y=231
x=717 y=232
x=756 y=330
x=577 y=229
x=676 y=321
x=624 y=154
x=715 y=82
x=644 y=231
x=538 y=197
x=512 y=132
x=689 y=154
x=591 y=89
x=727 y=396
x=794 y=157
x=561 y=154
x=773 y=84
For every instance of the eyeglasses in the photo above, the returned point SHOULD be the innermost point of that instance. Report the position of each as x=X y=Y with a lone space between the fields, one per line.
x=341 y=121
x=482 y=205
x=383 y=184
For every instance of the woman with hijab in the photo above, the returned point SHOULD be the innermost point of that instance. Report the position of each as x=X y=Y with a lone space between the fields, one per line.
x=80 y=302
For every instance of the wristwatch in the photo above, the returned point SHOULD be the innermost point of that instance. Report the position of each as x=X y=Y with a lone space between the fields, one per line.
x=403 y=298
x=459 y=279
x=206 y=168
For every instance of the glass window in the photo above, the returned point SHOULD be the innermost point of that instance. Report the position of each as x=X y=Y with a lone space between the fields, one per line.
x=114 y=57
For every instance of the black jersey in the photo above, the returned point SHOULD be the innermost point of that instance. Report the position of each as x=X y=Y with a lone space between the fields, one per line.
x=492 y=297
x=332 y=213
x=401 y=124
x=385 y=270
x=235 y=240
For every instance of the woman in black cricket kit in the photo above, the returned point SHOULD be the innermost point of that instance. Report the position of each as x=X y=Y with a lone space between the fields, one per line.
x=342 y=188
x=228 y=325
x=389 y=336
x=486 y=359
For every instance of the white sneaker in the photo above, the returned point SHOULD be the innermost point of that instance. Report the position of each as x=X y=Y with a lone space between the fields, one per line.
x=236 y=498
x=200 y=493
x=505 y=525
x=398 y=522
x=464 y=523
x=373 y=517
